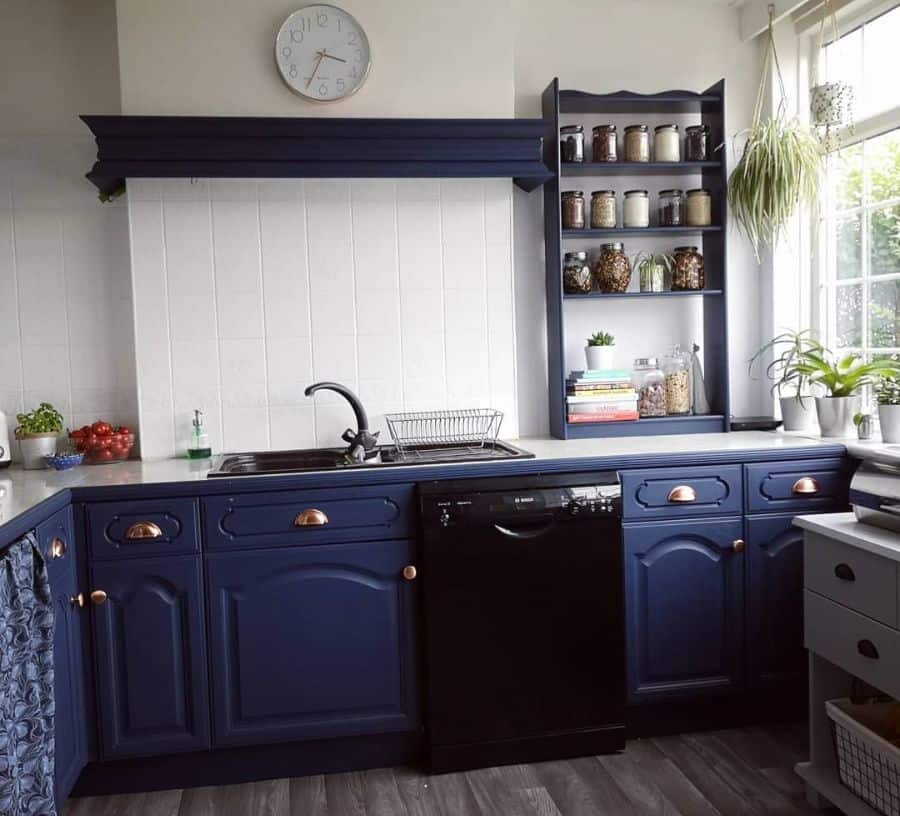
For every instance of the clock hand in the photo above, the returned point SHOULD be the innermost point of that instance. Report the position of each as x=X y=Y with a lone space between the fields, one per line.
x=326 y=54
x=315 y=68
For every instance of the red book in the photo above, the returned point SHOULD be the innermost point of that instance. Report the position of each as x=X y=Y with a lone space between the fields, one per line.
x=618 y=416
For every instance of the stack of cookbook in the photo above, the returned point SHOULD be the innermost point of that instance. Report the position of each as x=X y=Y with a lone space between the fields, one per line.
x=601 y=396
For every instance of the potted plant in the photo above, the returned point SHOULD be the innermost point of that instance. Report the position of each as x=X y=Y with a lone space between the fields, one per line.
x=842 y=378
x=791 y=386
x=830 y=103
x=652 y=269
x=37 y=433
x=600 y=351
x=780 y=166
x=888 y=395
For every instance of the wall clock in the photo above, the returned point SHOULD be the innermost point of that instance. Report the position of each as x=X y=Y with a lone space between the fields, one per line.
x=322 y=53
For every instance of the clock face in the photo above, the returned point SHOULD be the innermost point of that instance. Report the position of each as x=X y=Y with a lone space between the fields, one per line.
x=322 y=53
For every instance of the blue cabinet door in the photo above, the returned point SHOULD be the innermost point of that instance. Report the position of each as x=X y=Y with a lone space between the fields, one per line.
x=312 y=642
x=684 y=608
x=70 y=621
x=775 y=653
x=150 y=649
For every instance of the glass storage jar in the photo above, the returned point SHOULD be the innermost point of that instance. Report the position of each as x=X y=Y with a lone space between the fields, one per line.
x=687 y=269
x=671 y=208
x=603 y=209
x=666 y=143
x=651 y=268
x=604 y=143
x=637 y=143
x=677 y=370
x=650 y=384
x=571 y=143
x=573 y=209
x=696 y=143
x=698 y=208
x=576 y=274
x=612 y=270
x=636 y=209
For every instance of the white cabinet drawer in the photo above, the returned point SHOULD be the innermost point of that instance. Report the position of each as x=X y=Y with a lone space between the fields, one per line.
x=855 y=578
x=855 y=643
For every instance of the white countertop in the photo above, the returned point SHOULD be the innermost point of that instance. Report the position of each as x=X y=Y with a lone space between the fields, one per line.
x=844 y=527
x=21 y=490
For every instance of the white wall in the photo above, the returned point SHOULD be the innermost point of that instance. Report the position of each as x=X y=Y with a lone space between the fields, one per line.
x=65 y=297
x=247 y=292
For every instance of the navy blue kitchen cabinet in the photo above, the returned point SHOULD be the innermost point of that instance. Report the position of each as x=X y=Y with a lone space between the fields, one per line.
x=681 y=492
x=774 y=562
x=150 y=653
x=312 y=642
x=70 y=620
x=684 y=608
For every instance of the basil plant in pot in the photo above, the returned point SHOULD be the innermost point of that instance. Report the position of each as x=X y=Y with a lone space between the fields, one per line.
x=600 y=351
x=842 y=378
x=37 y=434
x=887 y=392
x=791 y=385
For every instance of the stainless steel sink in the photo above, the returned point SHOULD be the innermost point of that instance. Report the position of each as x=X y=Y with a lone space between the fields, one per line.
x=312 y=459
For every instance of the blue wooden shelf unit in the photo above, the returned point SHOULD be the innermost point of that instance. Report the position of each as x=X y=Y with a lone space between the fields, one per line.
x=707 y=108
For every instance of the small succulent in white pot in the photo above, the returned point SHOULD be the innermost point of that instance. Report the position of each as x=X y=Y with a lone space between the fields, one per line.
x=600 y=352
x=37 y=433
x=888 y=395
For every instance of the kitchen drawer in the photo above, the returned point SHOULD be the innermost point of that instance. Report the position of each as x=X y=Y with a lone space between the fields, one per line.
x=855 y=643
x=143 y=528
x=296 y=517
x=56 y=541
x=681 y=492
x=817 y=484
x=855 y=578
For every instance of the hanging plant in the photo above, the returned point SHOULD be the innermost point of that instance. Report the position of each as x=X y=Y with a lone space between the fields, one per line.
x=779 y=167
x=830 y=103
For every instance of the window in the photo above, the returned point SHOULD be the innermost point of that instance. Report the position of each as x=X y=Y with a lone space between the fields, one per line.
x=859 y=228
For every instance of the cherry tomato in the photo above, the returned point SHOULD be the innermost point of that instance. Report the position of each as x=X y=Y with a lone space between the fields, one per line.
x=104 y=455
x=101 y=428
x=124 y=429
x=77 y=434
x=92 y=441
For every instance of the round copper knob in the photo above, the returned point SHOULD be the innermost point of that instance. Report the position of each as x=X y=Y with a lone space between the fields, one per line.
x=738 y=545
x=98 y=596
x=57 y=548
x=409 y=572
x=77 y=600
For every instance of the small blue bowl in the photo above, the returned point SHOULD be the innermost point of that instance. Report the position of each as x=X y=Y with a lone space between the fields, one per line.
x=64 y=461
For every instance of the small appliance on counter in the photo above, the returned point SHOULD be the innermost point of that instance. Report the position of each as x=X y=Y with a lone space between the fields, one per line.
x=875 y=495
x=5 y=450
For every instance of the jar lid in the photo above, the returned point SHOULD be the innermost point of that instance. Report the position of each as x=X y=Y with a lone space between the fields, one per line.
x=658 y=128
x=604 y=128
x=685 y=249
x=576 y=256
x=636 y=193
x=698 y=191
x=616 y=246
x=646 y=362
x=641 y=128
x=572 y=129
x=697 y=129
x=670 y=192
x=604 y=193
x=570 y=193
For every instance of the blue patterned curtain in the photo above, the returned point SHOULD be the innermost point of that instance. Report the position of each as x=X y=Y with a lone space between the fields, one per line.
x=26 y=682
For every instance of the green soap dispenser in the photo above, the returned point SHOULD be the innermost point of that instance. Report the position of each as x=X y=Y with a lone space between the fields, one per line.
x=198 y=447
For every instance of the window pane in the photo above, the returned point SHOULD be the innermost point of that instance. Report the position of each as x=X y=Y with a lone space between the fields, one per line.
x=881 y=89
x=848 y=254
x=844 y=60
x=849 y=315
x=883 y=166
x=845 y=172
x=884 y=307
x=884 y=240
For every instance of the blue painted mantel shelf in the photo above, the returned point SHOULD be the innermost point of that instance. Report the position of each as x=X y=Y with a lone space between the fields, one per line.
x=270 y=147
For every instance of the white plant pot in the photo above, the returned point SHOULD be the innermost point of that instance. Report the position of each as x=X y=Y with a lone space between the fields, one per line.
x=889 y=419
x=836 y=415
x=35 y=448
x=600 y=358
x=831 y=104
x=797 y=414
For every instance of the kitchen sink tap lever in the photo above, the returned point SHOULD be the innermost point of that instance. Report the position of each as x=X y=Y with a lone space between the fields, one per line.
x=362 y=442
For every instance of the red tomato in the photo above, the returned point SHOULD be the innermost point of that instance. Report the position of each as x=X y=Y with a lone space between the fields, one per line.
x=124 y=429
x=101 y=428
x=104 y=455
x=77 y=434
x=92 y=441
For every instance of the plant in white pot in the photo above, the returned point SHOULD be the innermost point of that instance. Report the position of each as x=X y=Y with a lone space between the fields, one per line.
x=37 y=434
x=842 y=378
x=600 y=351
x=887 y=393
x=792 y=386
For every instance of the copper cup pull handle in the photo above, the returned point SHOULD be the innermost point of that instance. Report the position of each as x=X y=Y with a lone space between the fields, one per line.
x=143 y=529
x=805 y=486
x=57 y=548
x=682 y=494
x=311 y=518
x=98 y=596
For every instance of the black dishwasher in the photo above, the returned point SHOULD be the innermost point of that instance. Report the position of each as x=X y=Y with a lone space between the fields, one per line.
x=524 y=620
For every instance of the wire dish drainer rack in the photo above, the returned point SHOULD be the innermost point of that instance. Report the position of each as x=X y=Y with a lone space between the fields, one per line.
x=467 y=429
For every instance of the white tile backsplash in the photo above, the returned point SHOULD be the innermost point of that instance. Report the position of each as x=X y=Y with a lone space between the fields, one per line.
x=400 y=289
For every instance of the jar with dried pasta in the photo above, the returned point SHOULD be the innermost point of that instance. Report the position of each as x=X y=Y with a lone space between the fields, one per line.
x=677 y=369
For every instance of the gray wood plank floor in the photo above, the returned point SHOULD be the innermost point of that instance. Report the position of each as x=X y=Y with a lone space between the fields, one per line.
x=738 y=772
